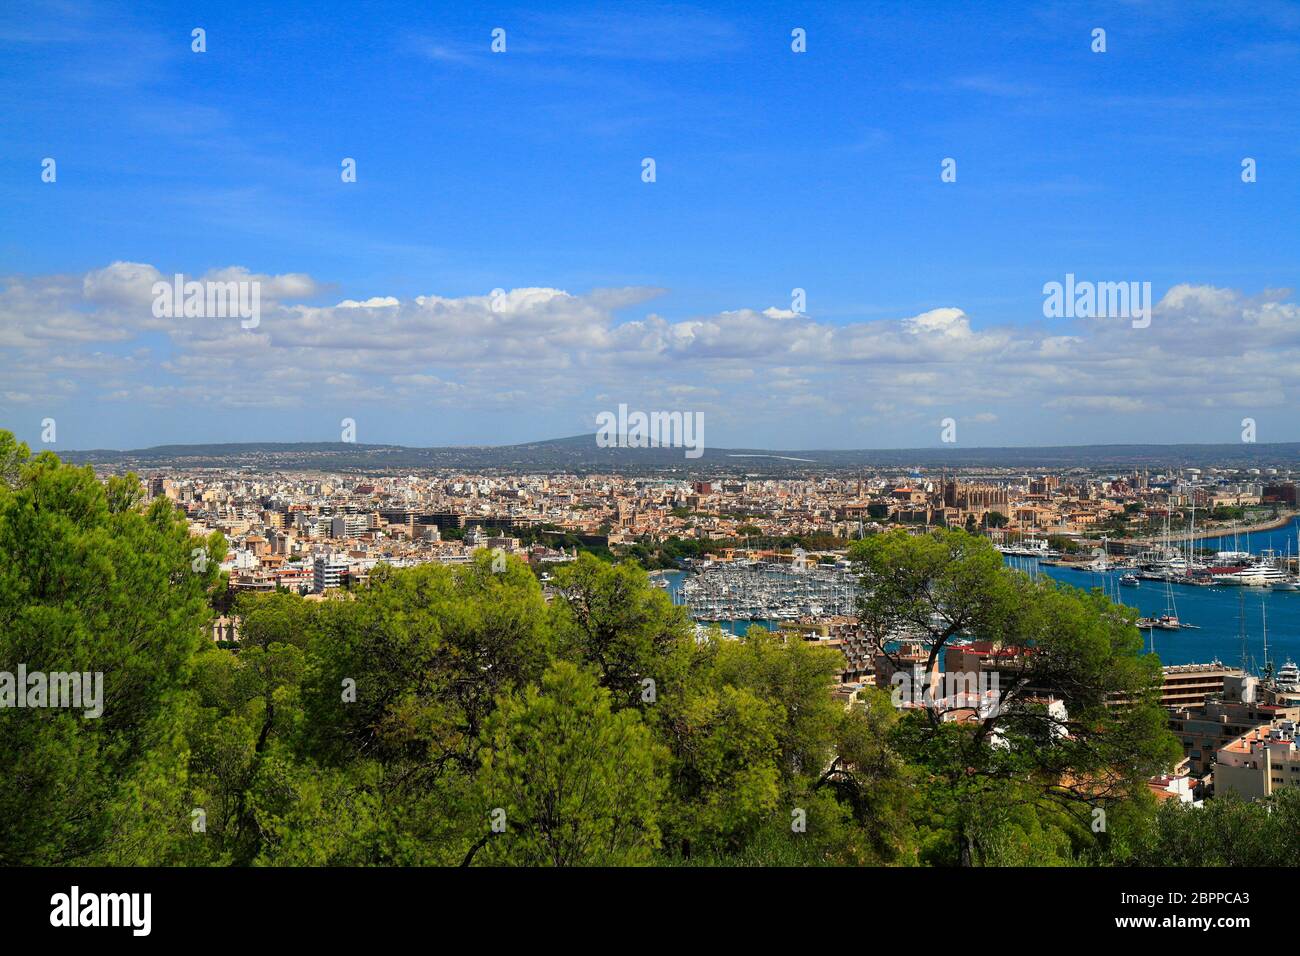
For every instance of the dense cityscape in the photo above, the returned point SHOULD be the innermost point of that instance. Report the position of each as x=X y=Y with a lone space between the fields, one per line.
x=775 y=550
x=652 y=448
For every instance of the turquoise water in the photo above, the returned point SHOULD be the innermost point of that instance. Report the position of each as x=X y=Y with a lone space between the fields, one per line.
x=1217 y=611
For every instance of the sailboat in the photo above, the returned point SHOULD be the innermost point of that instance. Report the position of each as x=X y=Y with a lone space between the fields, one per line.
x=1169 y=620
x=1289 y=583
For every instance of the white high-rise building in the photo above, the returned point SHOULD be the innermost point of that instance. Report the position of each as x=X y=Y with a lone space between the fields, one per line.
x=327 y=572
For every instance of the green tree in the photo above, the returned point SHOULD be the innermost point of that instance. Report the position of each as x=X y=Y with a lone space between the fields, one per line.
x=13 y=455
x=610 y=616
x=869 y=776
x=405 y=677
x=1076 y=723
x=796 y=676
x=725 y=781
x=572 y=782
x=1225 y=831
x=91 y=584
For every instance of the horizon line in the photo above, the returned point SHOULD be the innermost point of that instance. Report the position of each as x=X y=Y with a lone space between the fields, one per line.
x=715 y=448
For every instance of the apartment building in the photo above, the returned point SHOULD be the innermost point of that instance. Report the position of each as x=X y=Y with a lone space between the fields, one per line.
x=1261 y=762
x=1190 y=685
x=327 y=573
x=845 y=635
x=1206 y=728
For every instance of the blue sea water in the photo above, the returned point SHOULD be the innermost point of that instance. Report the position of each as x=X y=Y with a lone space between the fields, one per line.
x=1282 y=540
x=1218 y=612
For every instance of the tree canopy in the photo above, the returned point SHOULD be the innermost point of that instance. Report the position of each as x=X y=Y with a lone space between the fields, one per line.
x=453 y=715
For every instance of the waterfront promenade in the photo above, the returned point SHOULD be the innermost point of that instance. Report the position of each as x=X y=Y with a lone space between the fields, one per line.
x=1283 y=519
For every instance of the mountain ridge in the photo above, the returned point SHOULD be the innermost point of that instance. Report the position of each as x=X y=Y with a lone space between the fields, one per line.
x=580 y=453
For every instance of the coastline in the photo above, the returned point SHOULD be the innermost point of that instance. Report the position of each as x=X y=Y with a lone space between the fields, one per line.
x=1281 y=521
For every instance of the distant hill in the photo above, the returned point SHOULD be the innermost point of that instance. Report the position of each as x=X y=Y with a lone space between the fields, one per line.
x=581 y=454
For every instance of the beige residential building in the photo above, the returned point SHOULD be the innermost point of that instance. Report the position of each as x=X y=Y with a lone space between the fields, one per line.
x=1189 y=685
x=1260 y=762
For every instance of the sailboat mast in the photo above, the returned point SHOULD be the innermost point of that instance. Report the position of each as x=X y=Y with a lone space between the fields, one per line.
x=1268 y=668
x=1241 y=618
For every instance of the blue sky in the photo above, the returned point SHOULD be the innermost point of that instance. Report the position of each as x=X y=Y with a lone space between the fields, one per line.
x=775 y=170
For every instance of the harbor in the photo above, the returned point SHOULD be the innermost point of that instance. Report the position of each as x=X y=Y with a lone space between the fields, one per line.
x=1219 y=615
x=1215 y=621
x=768 y=592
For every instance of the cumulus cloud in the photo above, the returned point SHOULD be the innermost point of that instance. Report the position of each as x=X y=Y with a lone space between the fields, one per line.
x=94 y=337
x=122 y=283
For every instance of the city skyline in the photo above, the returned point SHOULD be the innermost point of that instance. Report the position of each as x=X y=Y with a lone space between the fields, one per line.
x=558 y=454
x=923 y=300
x=689 y=436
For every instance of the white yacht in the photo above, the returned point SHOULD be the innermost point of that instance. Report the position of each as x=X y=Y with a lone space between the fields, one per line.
x=1029 y=548
x=1288 y=677
x=1262 y=574
x=1255 y=576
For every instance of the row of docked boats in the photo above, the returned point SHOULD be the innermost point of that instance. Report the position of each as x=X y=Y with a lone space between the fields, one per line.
x=1226 y=569
x=763 y=591
x=1029 y=547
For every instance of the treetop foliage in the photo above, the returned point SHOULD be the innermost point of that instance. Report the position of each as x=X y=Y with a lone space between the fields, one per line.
x=453 y=716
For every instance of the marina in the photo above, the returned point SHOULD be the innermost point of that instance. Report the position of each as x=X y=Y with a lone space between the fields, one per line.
x=767 y=592
x=1220 y=615
x=1200 y=622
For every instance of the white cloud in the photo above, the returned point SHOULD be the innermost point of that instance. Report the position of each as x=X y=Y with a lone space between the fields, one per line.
x=1097 y=403
x=122 y=283
x=550 y=349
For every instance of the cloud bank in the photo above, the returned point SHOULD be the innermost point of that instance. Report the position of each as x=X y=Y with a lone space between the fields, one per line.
x=91 y=340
